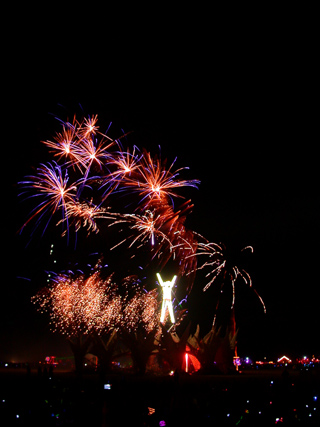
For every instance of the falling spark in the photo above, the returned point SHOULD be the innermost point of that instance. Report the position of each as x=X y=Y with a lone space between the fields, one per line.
x=218 y=264
x=147 y=227
x=84 y=215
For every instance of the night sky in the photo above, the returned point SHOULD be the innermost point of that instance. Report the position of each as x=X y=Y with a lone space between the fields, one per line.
x=242 y=117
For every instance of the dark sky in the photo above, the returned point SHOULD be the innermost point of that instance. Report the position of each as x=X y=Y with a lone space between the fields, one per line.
x=241 y=114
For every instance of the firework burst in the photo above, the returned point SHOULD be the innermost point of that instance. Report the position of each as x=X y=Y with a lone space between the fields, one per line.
x=51 y=186
x=82 y=305
x=78 y=305
x=140 y=309
x=156 y=184
x=123 y=164
x=65 y=144
x=79 y=145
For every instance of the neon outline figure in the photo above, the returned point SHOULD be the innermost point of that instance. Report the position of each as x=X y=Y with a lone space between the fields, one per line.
x=166 y=298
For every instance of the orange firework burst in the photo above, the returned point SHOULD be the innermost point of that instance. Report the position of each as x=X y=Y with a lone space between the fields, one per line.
x=154 y=182
x=65 y=143
x=77 y=142
x=92 y=151
x=79 y=305
x=140 y=309
x=88 y=126
x=84 y=305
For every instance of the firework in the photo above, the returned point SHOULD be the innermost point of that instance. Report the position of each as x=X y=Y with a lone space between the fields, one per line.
x=79 y=305
x=221 y=264
x=125 y=164
x=155 y=183
x=152 y=184
x=51 y=186
x=65 y=144
x=84 y=215
x=83 y=147
x=167 y=238
x=91 y=151
x=79 y=145
x=85 y=305
x=140 y=309
x=215 y=261
x=88 y=127
x=150 y=310
x=147 y=226
x=100 y=169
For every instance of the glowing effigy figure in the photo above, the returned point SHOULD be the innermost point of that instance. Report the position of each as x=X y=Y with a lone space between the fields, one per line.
x=166 y=298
